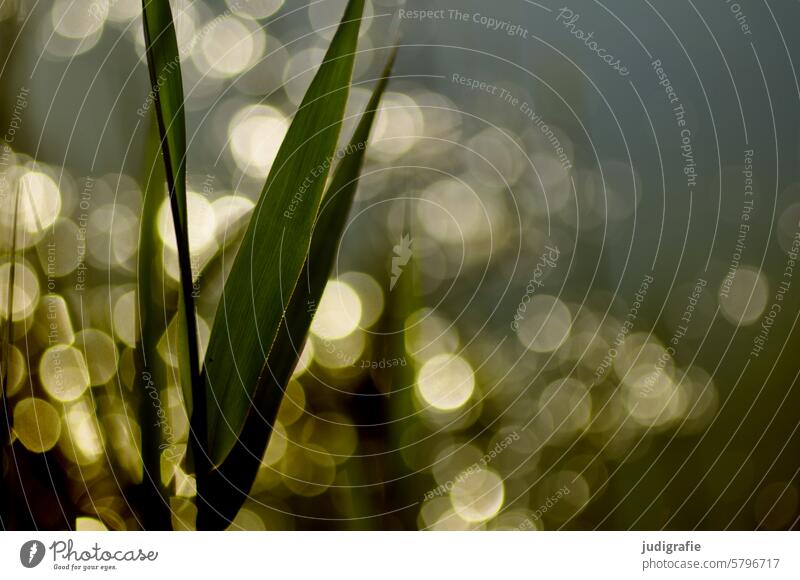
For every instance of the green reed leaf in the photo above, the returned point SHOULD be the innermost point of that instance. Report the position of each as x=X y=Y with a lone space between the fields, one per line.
x=229 y=484
x=163 y=60
x=270 y=259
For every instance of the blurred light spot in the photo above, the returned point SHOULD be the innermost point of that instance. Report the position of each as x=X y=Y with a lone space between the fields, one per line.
x=62 y=48
x=746 y=298
x=568 y=405
x=99 y=241
x=100 y=353
x=256 y=133
x=112 y=236
x=63 y=372
x=202 y=224
x=494 y=158
x=586 y=348
x=78 y=19
x=26 y=291
x=59 y=250
x=446 y=382
x=229 y=47
x=641 y=349
x=293 y=403
x=651 y=397
x=551 y=184
x=247 y=520
x=441 y=117
x=478 y=495
x=338 y=313
x=452 y=461
x=186 y=16
x=705 y=398
x=450 y=521
x=86 y=524
x=305 y=359
x=124 y=232
x=39 y=206
x=126 y=325
x=40 y=202
x=428 y=334
x=539 y=143
x=123 y=434
x=546 y=324
x=516 y=521
x=56 y=321
x=84 y=442
x=452 y=214
x=336 y=432
x=568 y=493
x=370 y=293
x=232 y=213
x=254 y=9
x=17 y=371
x=340 y=353
x=431 y=511
x=398 y=126
x=298 y=72
x=37 y=424
x=120 y=11
x=276 y=447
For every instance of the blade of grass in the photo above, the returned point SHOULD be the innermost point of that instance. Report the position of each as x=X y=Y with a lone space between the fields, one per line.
x=151 y=497
x=270 y=259
x=163 y=64
x=229 y=484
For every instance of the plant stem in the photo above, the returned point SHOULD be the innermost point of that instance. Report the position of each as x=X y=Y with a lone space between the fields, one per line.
x=175 y=174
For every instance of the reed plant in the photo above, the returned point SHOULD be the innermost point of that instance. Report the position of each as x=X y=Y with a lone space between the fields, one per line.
x=233 y=393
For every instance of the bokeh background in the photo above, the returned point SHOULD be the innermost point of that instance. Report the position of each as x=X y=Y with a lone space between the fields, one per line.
x=554 y=306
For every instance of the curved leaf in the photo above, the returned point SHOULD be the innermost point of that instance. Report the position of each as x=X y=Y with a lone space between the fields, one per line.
x=271 y=256
x=229 y=484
